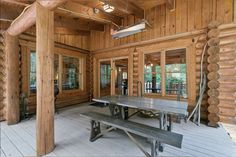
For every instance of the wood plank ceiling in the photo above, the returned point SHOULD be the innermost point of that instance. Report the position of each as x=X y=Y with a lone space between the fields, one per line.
x=78 y=16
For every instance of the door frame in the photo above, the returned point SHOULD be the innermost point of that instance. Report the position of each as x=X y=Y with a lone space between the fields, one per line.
x=112 y=61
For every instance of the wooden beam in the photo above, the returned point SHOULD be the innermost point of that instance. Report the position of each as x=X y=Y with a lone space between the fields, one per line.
x=45 y=82
x=234 y=12
x=147 y=4
x=28 y=18
x=77 y=10
x=12 y=80
x=170 y=4
x=77 y=24
x=126 y=7
x=66 y=31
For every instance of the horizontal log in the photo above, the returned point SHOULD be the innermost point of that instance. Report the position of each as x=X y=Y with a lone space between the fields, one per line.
x=213 y=42
x=214 y=24
x=213 y=117
x=213 y=100
x=199 y=52
x=213 y=59
x=200 y=45
x=213 y=84
x=213 y=33
x=227 y=119
x=28 y=18
x=214 y=67
x=213 y=109
x=202 y=37
x=213 y=50
x=213 y=92
x=227 y=112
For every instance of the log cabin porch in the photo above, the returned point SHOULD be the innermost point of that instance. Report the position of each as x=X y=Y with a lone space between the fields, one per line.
x=58 y=56
x=72 y=138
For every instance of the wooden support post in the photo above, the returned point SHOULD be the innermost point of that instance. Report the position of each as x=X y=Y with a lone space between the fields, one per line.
x=12 y=81
x=45 y=83
x=163 y=73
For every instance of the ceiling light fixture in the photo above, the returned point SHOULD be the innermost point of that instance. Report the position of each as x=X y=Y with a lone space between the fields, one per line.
x=108 y=8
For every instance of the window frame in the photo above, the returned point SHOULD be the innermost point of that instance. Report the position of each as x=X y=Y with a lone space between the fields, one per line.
x=68 y=53
x=163 y=73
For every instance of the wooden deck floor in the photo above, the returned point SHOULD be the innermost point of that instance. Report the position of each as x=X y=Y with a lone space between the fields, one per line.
x=72 y=139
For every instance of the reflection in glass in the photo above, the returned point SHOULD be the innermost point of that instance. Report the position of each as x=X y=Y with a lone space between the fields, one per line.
x=176 y=72
x=105 y=78
x=32 y=72
x=70 y=77
x=152 y=73
x=121 y=77
x=56 y=69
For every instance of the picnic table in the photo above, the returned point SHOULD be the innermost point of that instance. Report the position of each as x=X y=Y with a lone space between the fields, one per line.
x=119 y=105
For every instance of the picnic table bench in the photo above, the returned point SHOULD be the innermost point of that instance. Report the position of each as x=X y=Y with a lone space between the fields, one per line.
x=156 y=135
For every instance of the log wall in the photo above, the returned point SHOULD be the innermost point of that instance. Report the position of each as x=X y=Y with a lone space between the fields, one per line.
x=2 y=78
x=188 y=22
x=189 y=15
x=65 y=98
x=227 y=71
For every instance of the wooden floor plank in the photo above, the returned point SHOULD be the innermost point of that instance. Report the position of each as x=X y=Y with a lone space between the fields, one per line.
x=8 y=147
x=72 y=138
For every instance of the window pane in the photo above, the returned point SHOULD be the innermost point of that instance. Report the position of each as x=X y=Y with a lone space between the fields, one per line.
x=152 y=73
x=32 y=72
x=70 y=76
x=176 y=72
x=56 y=68
x=105 y=78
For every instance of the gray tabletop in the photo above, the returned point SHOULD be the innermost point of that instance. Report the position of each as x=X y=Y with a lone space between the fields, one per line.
x=150 y=104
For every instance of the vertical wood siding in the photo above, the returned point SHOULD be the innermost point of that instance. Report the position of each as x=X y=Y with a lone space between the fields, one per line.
x=189 y=15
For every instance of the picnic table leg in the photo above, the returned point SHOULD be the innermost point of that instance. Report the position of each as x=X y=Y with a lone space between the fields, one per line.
x=95 y=131
x=170 y=126
x=161 y=123
x=154 y=151
x=116 y=111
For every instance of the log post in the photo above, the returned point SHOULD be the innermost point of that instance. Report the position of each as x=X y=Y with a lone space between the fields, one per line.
x=44 y=71
x=12 y=81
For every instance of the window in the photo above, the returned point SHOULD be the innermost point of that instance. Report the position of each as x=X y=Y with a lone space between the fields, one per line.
x=56 y=70
x=105 y=78
x=175 y=78
x=32 y=72
x=152 y=73
x=105 y=75
x=176 y=72
x=70 y=78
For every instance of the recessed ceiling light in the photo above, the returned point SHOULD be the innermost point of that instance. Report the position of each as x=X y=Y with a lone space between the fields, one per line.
x=108 y=8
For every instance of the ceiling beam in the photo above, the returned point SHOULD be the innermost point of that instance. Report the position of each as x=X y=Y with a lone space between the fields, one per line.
x=28 y=18
x=73 y=9
x=77 y=24
x=126 y=7
x=66 y=31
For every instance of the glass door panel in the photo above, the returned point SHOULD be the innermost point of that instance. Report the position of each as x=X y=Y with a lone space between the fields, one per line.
x=105 y=78
x=121 y=76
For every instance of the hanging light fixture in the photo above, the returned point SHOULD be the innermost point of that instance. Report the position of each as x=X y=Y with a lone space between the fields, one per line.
x=108 y=8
